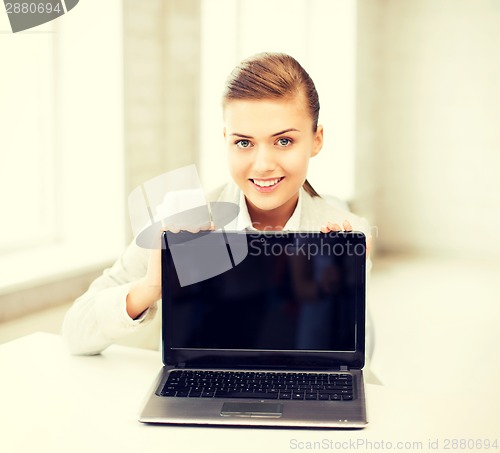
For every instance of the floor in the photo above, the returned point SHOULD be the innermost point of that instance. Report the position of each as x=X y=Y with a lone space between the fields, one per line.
x=436 y=321
x=48 y=320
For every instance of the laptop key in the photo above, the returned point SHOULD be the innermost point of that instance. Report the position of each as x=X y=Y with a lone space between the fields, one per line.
x=251 y=395
x=271 y=386
x=168 y=393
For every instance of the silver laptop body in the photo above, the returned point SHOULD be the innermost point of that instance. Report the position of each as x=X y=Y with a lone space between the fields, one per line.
x=262 y=329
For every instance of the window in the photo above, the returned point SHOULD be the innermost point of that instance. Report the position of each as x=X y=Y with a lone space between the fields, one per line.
x=63 y=202
x=27 y=158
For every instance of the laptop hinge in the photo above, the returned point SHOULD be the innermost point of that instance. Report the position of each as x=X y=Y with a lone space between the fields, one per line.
x=344 y=368
x=181 y=365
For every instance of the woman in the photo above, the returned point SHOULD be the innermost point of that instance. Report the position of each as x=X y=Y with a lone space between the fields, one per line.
x=270 y=111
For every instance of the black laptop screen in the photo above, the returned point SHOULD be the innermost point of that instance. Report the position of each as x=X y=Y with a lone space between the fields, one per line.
x=261 y=292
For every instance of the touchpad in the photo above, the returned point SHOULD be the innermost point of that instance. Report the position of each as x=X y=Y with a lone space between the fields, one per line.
x=242 y=409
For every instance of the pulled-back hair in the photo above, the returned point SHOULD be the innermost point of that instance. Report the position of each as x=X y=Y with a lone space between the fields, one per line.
x=273 y=76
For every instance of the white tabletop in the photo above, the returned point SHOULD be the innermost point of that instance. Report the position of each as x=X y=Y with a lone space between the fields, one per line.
x=54 y=402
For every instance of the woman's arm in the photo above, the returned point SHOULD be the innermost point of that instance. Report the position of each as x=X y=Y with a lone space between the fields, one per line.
x=120 y=301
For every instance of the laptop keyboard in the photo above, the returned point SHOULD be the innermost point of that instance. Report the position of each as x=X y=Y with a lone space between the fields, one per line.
x=259 y=385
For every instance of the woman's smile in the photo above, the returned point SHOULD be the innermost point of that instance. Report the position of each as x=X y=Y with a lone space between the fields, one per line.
x=267 y=185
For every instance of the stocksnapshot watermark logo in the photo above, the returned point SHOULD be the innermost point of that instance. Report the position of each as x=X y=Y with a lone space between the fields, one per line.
x=175 y=202
x=302 y=246
x=25 y=15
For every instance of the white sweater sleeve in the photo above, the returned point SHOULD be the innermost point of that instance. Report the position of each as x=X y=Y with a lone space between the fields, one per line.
x=99 y=317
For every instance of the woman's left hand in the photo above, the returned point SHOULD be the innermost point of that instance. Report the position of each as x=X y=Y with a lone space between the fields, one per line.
x=330 y=226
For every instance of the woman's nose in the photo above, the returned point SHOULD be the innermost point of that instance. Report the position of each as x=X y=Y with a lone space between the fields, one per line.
x=264 y=161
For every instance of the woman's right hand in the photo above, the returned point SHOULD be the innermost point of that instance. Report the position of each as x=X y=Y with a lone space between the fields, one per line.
x=146 y=291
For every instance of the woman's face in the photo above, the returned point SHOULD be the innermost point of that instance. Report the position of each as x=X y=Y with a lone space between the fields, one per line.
x=269 y=144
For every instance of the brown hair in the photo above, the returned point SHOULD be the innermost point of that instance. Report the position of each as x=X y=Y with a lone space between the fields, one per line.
x=273 y=76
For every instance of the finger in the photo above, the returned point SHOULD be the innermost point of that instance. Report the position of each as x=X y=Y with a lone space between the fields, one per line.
x=369 y=243
x=194 y=229
x=210 y=226
x=347 y=226
x=172 y=228
x=324 y=229
x=334 y=226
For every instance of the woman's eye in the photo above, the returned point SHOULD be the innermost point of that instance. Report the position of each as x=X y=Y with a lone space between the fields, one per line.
x=284 y=142
x=243 y=144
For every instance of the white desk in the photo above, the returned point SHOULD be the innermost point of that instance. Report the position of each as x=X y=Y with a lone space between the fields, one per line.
x=53 y=402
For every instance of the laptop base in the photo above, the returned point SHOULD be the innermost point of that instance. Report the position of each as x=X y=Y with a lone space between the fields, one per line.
x=255 y=413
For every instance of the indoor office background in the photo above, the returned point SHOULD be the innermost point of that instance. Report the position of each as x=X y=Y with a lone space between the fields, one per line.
x=116 y=92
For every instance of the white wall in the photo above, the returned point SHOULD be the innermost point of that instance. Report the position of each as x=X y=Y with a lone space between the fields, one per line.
x=436 y=153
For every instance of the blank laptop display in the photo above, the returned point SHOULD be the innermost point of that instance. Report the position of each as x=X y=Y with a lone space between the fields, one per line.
x=262 y=329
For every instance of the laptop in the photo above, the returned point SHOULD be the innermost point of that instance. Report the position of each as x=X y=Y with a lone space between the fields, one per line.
x=262 y=329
